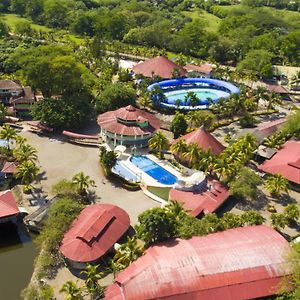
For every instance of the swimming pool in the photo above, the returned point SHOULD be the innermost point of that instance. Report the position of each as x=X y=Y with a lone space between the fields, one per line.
x=154 y=170
x=124 y=172
x=202 y=94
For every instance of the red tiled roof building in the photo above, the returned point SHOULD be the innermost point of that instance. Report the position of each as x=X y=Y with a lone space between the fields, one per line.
x=206 y=200
x=128 y=126
x=8 y=206
x=205 y=140
x=241 y=263
x=285 y=162
x=158 y=66
x=93 y=233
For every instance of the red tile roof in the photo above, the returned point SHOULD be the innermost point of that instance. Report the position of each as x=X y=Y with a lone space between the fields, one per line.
x=204 y=140
x=285 y=162
x=94 y=232
x=109 y=121
x=10 y=167
x=207 y=201
x=158 y=66
x=8 y=205
x=205 y=68
x=10 y=84
x=241 y=263
x=277 y=89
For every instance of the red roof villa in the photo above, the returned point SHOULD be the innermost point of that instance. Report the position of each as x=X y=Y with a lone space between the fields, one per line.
x=128 y=126
x=94 y=233
x=204 y=140
x=285 y=162
x=158 y=66
x=241 y=263
x=204 y=70
x=8 y=207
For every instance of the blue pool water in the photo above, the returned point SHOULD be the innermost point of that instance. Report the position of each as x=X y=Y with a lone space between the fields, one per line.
x=153 y=169
x=202 y=94
x=124 y=172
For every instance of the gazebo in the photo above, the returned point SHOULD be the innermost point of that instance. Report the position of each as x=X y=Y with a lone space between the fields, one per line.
x=128 y=126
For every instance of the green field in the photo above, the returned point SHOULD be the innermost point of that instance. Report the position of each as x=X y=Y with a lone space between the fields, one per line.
x=291 y=17
x=212 y=22
x=60 y=35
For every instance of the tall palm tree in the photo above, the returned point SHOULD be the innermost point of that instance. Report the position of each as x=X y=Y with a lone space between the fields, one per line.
x=206 y=162
x=176 y=210
x=179 y=148
x=128 y=252
x=82 y=182
x=193 y=154
x=145 y=100
x=276 y=184
x=7 y=133
x=27 y=171
x=260 y=93
x=73 y=292
x=159 y=142
x=25 y=152
x=92 y=276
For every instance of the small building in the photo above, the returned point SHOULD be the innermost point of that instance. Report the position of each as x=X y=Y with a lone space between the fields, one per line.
x=93 y=234
x=240 y=263
x=205 y=140
x=128 y=126
x=10 y=89
x=159 y=66
x=8 y=207
x=202 y=71
x=285 y=162
x=206 y=199
x=9 y=168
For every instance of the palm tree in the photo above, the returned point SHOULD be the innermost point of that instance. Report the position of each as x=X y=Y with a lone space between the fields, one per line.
x=295 y=81
x=176 y=210
x=27 y=171
x=273 y=99
x=159 y=142
x=276 y=184
x=92 y=276
x=278 y=221
x=7 y=133
x=82 y=182
x=179 y=148
x=72 y=290
x=128 y=252
x=20 y=140
x=25 y=152
x=145 y=100
x=260 y=93
x=206 y=162
x=193 y=154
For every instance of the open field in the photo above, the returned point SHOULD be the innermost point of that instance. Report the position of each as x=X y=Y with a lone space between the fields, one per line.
x=211 y=21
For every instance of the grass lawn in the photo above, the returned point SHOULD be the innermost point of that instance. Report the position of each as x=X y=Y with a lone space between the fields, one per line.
x=210 y=20
x=291 y=17
x=11 y=20
x=60 y=35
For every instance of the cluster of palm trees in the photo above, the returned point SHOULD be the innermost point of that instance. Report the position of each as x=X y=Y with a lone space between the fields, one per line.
x=23 y=154
x=91 y=287
x=226 y=165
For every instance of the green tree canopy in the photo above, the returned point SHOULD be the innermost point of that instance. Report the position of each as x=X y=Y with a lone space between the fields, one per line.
x=179 y=125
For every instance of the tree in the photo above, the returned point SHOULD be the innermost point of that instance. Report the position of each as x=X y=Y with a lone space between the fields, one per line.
x=176 y=210
x=252 y=217
x=193 y=154
x=179 y=148
x=178 y=125
x=273 y=99
x=145 y=100
x=155 y=225
x=248 y=121
x=82 y=182
x=158 y=143
x=291 y=213
x=72 y=291
x=66 y=113
x=114 y=96
x=276 y=184
x=127 y=253
x=3 y=29
x=25 y=152
x=7 y=133
x=92 y=276
x=278 y=221
x=27 y=171
x=191 y=99
x=230 y=220
x=108 y=159
x=257 y=61
x=245 y=184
